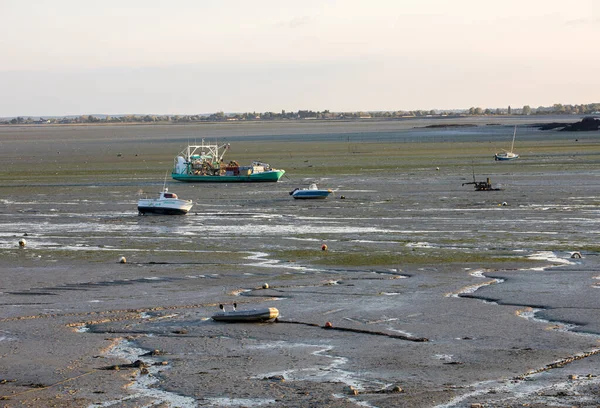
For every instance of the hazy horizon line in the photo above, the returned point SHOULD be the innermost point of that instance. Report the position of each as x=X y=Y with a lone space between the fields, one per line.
x=454 y=110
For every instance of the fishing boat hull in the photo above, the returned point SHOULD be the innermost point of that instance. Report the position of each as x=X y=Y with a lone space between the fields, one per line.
x=263 y=177
x=164 y=207
x=247 y=316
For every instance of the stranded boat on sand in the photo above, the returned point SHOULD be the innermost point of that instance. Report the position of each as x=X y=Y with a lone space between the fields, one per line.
x=312 y=192
x=508 y=155
x=166 y=203
x=246 y=316
x=204 y=163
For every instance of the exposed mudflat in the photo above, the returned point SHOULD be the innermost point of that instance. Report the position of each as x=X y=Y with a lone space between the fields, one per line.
x=438 y=295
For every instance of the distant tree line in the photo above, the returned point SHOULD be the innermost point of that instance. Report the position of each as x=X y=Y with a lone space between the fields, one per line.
x=589 y=109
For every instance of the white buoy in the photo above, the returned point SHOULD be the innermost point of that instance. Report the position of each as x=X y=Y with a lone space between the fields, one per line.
x=265 y=286
x=122 y=260
x=22 y=243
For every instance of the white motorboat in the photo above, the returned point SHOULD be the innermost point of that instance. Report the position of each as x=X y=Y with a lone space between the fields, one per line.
x=311 y=192
x=166 y=203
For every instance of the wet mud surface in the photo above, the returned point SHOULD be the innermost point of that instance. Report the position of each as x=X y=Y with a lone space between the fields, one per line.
x=436 y=295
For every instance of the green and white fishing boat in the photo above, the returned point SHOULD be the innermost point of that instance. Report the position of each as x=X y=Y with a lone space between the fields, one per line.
x=204 y=164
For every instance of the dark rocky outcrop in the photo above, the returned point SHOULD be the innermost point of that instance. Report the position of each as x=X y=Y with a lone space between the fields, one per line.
x=588 y=123
x=550 y=126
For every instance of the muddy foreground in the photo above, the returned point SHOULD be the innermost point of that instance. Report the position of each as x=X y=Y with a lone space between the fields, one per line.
x=437 y=295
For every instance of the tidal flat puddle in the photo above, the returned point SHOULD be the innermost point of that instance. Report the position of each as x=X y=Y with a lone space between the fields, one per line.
x=463 y=230
x=144 y=384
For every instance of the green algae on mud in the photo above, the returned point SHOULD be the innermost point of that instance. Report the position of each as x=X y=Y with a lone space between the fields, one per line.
x=105 y=152
x=393 y=260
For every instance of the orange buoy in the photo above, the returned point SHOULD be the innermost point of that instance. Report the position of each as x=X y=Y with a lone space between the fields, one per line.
x=324 y=247
x=328 y=325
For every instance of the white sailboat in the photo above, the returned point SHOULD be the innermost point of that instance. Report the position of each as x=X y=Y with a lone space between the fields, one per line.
x=508 y=155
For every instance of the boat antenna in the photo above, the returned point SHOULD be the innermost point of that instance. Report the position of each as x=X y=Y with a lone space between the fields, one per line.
x=165 y=183
x=473 y=167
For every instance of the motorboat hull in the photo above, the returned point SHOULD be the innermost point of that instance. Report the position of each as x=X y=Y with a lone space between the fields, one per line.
x=164 y=206
x=310 y=194
x=162 y=210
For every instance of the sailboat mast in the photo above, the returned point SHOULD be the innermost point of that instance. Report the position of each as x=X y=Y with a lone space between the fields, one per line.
x=513 y=142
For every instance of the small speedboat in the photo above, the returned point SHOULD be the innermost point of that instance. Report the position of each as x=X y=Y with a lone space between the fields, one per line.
x=311 y=192
x=246 y=316
x=166 y=203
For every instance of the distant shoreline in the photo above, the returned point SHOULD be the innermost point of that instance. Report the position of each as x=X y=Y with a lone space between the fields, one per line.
x=422 y=122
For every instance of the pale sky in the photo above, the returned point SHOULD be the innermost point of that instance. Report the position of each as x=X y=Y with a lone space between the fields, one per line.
x=71 y=57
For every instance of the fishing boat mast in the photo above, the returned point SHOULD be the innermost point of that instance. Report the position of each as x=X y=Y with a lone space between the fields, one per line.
x=207 y=150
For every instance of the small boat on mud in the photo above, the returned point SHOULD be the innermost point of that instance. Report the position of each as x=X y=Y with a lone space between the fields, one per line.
x=482 y=185
x=312 y=192
x=204 y=163
x=508 y=155
x=166 y=203
x=246 y=316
